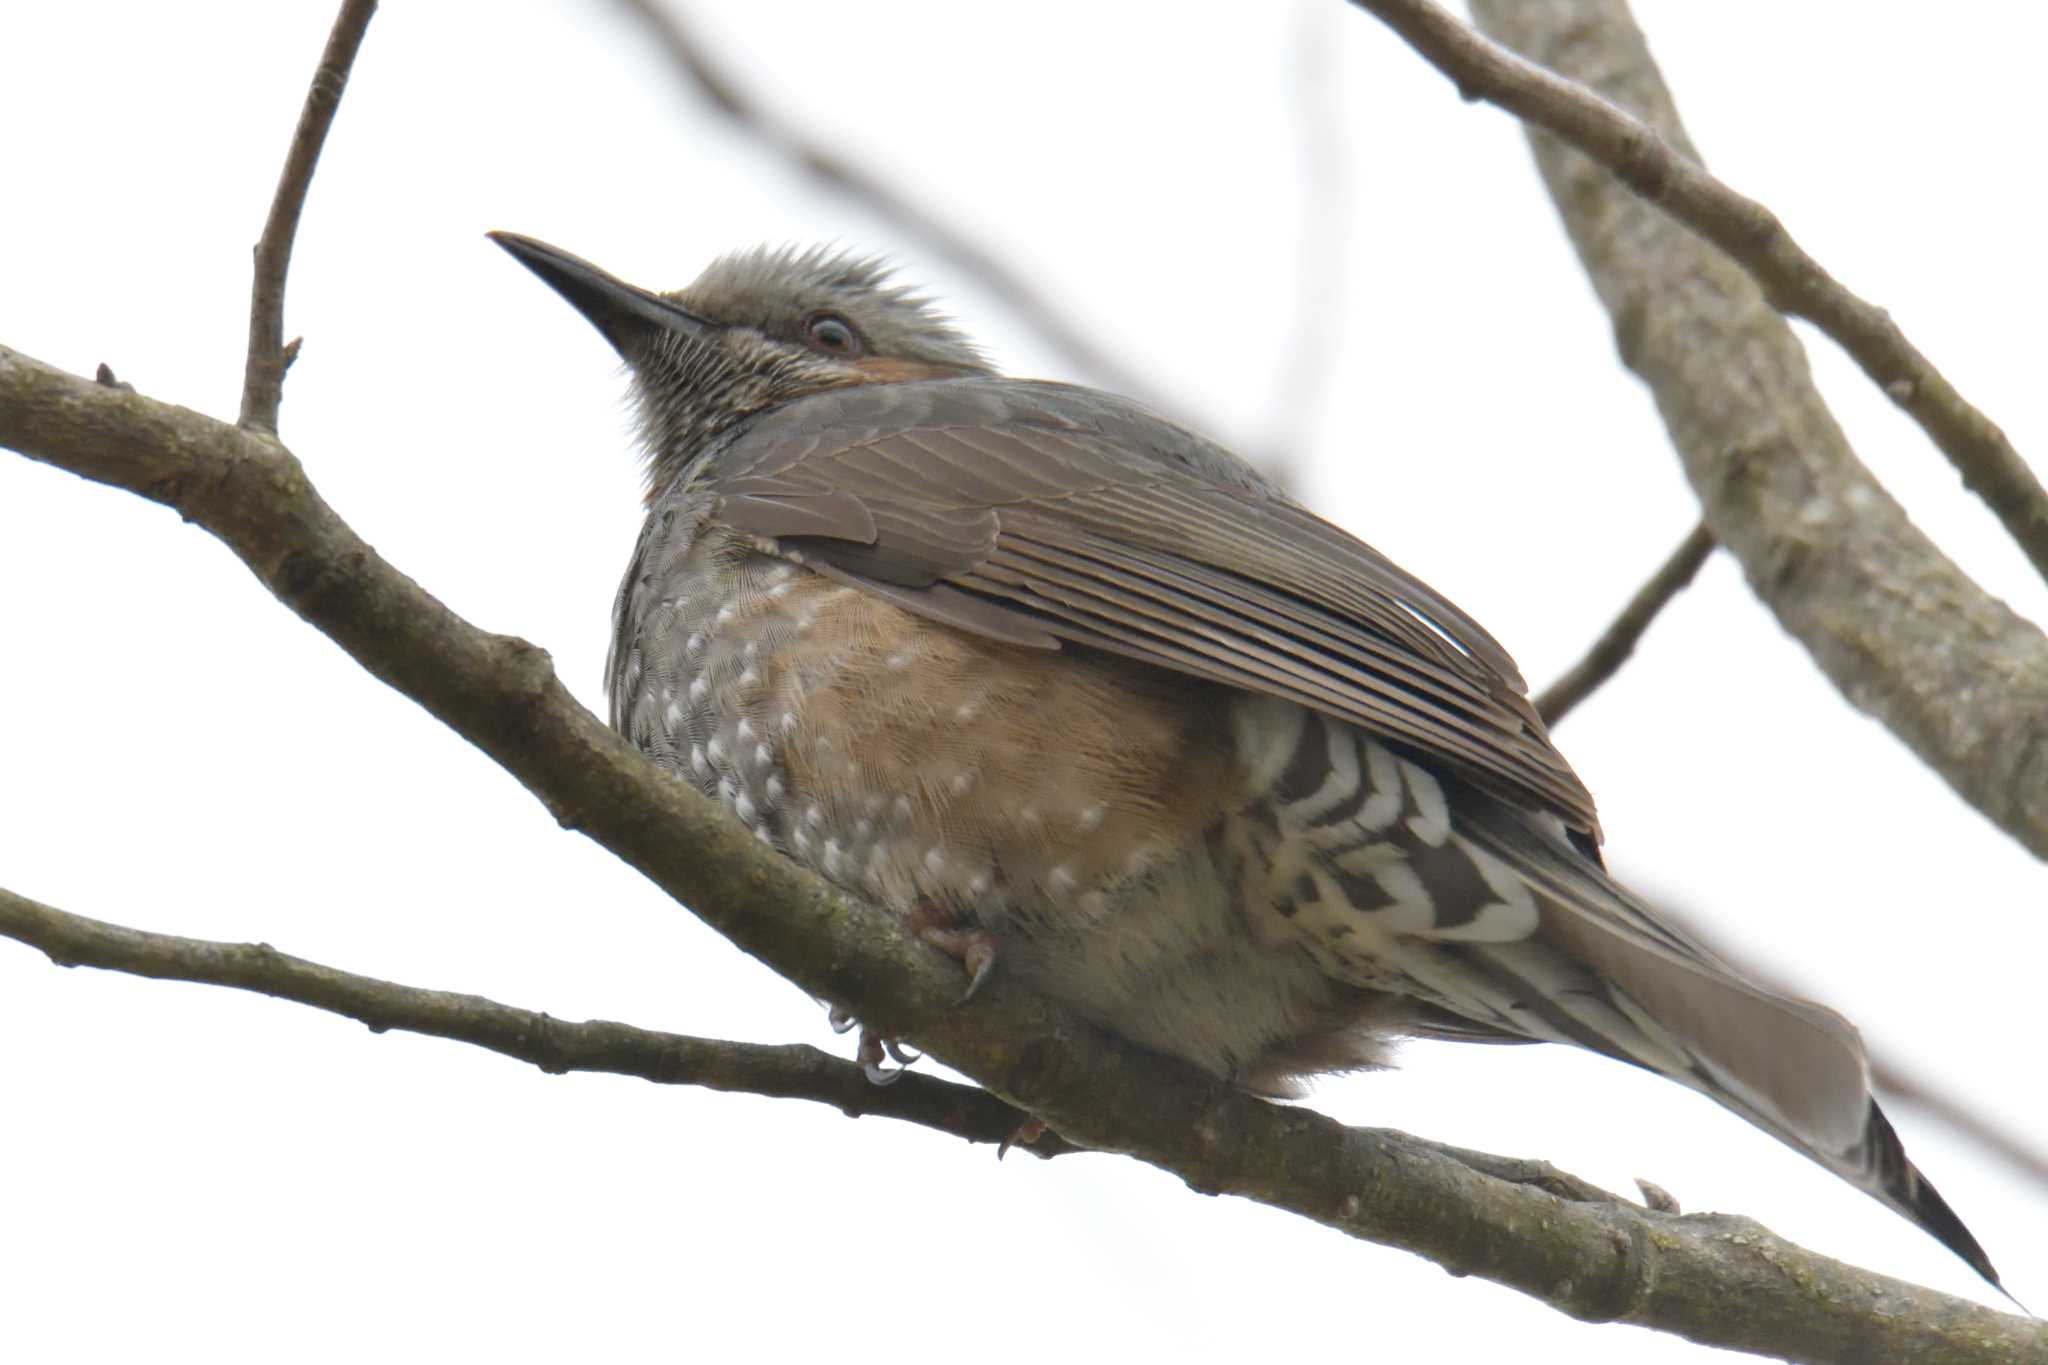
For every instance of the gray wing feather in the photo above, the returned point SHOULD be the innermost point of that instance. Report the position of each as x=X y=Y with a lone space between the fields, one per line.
x=1794 y=1067
x=1032 y=512
x=1606 y=972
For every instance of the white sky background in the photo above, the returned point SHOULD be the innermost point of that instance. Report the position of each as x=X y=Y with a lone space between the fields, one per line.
x=198 y=1172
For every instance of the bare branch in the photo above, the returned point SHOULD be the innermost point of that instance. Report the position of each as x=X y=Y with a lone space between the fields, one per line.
x=1593 y=1259
x=1321 y=256
x=1659 y=163
x=1901 y=631
x=263 y=375
x=554 y=1045
x=1619 y=640
x=838 y=173
x=1911 y=1090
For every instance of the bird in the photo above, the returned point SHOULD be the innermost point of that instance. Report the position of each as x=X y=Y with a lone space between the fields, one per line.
x=1085 y=698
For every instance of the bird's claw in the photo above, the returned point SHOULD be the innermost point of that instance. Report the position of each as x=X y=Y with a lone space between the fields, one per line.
x=951 y=933
x=975 y=949
x=876 y=1050
x=979 y=957
x=874 y=1054
x=1023 y=1135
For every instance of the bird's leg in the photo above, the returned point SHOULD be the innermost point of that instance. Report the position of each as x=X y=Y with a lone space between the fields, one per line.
x=946 y=929
x=949 y=931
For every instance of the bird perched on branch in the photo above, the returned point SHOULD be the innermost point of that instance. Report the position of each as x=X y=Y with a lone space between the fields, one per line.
x=1087 y=699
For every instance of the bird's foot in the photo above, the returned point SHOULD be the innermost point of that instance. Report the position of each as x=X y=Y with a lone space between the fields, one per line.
x=875 y=1050
x=974 y=948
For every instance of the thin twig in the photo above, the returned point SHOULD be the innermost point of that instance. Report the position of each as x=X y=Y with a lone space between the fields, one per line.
x=1901 y=567
x=1597 y=1261
x=918 y=222
x=1909 y=1090
x=1619 y=640
x=554 y=1045
x=1894 y=623
x=263 y=375
x=1673 y=179
x=1322 y=253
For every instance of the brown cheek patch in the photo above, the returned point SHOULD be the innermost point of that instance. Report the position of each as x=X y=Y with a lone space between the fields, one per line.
x=881 y=369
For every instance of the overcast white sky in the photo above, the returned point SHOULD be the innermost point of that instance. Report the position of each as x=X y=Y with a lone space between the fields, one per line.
x=199 y=1172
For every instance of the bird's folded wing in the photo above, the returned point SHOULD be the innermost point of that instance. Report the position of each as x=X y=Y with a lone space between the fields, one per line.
x=1039 y=513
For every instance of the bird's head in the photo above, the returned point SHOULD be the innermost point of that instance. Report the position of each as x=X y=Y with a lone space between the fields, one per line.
x=757 y=329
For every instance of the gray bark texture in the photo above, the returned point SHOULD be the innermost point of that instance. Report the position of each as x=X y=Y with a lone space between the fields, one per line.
x=1900 y=630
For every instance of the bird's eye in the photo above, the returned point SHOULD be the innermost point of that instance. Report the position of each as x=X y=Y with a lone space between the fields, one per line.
x=832 y=335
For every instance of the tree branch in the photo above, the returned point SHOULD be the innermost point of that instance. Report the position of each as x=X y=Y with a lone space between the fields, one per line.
x=263 y=375
x=1907 y=1089
x=1901 y=631
x=1637 y=259
x=838 y=173
x=554 y=1045
x=1619 y=640
x=1657 y=161
x=1321 y=257
x=1598 y=1261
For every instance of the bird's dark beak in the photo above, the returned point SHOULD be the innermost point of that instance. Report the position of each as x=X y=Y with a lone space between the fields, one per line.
x=626 y=314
